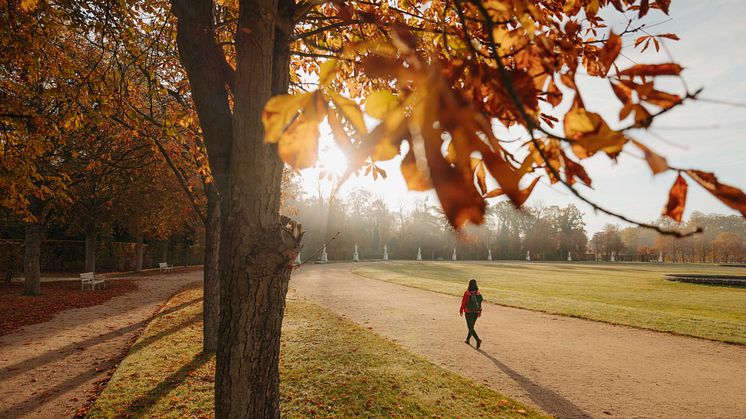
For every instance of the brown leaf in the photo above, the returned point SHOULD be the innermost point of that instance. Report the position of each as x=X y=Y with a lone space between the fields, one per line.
x=644 y=7
x=729 y=195
x=668 y=69
x=676 y=199
x=610 y=52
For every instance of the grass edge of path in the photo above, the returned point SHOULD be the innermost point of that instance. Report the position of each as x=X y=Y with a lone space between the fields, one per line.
x=330 y=367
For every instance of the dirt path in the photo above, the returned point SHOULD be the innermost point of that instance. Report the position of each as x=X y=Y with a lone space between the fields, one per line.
x=568 y=367
x=48 y=369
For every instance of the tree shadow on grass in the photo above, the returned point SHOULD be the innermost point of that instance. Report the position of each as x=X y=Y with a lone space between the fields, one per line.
x=59 y=353
x=545 y=398
x=140 y=405
x=44 y=395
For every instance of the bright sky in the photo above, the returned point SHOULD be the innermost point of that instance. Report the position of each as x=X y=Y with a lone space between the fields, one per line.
x=700 y=135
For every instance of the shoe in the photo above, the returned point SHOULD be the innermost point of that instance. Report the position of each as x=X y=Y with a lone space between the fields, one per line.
x=479 y=343
x=467 y=342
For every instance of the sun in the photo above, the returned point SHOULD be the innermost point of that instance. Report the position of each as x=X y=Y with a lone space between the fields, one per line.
x=332 y=160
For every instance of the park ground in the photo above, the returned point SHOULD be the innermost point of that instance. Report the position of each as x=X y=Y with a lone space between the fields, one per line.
x=385 y=339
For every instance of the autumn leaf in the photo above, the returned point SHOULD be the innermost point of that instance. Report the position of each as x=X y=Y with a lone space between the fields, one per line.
x=591 y=134
x=676 y=199
x=729 y=195
x=657 y=163
x=669 y=69
x=327 y=72
x=610 y=52
x=379 y=103
x=279 y=112
x=298 y=145
x=351 y=112
x=417 y=179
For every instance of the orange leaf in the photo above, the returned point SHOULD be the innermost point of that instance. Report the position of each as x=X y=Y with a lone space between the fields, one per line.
x=609 y=52
x=669 y=69
x=729 y=195
x=676 y=199
x=657 y=163
x=417 y=180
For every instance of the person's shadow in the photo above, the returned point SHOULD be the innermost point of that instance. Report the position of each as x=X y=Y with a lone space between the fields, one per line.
x=545 y=398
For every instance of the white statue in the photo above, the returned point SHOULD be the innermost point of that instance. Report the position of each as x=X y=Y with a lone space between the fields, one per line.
x=419 y=253
x=660 y=257
x=489 y=254
x=528 y=255
x=453 y=256
x=324 y=256
x=569 y=256
x=613 y=256
x=356 y=255
x=385 y=252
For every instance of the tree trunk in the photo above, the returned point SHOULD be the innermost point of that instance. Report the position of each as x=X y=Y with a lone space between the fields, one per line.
x=139 y=252
x=31 y=256
x=211 y=271
x=256 y=250
x=90 y=251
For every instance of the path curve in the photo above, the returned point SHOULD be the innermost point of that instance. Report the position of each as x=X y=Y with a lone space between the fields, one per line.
x=48 y=369
x=566 y=366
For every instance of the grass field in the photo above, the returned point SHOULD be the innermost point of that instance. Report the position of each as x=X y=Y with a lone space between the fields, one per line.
x=629 y=294
x=329 y=367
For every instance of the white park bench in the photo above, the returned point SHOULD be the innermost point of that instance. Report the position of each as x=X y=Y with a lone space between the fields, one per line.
x=89 y=278
x=165 y=267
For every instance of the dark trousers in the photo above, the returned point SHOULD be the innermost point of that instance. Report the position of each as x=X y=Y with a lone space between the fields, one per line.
x=471 y=319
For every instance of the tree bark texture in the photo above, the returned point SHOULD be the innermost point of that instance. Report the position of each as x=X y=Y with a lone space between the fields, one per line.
x=31 y=256
x=256 y=247
x=211 y=302
x=254 y=251
x=139 y=252
x=90 y=251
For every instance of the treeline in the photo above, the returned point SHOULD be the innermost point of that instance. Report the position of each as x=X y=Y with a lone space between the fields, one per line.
x=723 y=241
x=550 y=233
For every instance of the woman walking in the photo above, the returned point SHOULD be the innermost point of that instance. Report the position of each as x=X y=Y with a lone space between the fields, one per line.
x=471 y=304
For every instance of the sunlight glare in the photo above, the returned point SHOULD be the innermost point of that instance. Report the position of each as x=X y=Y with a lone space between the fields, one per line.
x=333 y=160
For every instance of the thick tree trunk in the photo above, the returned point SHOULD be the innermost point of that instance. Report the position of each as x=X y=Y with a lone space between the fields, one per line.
x=256 y=250
x=90 y=251
x=139 y=252
x=31 y=257
x=212 y=271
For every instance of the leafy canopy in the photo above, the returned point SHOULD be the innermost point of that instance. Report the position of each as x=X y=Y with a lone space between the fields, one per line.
x=445 y=76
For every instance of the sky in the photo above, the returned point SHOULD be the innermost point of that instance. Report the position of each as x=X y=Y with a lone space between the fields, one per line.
x=700 y=135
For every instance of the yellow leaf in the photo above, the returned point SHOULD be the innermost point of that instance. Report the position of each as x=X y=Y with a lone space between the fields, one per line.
x=379 y=103
x=29 y=5
x=327 y=72
x=299 y=145
x=351 y=112
x=578 y=120
x=279 y=112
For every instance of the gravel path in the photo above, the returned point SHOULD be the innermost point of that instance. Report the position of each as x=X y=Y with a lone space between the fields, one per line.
x=568 y=367
x=48 y=370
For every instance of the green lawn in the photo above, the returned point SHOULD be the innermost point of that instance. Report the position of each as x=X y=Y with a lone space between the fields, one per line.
x=329 y=367
x=629 y=294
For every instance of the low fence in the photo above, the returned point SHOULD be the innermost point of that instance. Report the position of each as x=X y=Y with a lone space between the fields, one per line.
x=68 y=256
